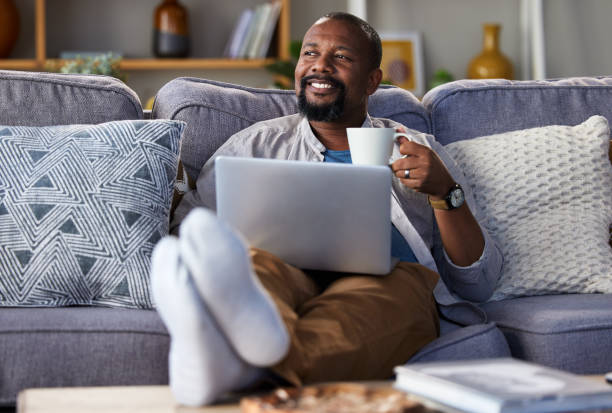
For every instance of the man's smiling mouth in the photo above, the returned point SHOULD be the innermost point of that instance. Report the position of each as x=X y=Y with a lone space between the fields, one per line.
x=321 y=85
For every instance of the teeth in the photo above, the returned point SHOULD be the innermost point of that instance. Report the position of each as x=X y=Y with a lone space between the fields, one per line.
x=321 y=85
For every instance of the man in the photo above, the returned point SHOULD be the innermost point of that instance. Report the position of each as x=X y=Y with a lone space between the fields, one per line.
x=236 y=316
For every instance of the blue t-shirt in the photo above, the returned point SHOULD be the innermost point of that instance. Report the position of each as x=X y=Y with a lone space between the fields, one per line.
x=399 y=247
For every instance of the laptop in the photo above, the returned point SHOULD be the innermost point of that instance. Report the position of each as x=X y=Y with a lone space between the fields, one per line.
x=313 y=215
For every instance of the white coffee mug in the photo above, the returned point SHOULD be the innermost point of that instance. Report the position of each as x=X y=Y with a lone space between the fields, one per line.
x=372 y=146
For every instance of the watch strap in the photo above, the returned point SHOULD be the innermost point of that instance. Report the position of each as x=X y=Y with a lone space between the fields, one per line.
x=438 y=204
x=446 y=203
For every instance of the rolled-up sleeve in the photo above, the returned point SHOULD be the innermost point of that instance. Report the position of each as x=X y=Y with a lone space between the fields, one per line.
x=477 y=281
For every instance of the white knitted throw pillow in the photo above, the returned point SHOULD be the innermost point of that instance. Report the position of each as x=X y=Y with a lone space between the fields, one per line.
x=547 y=197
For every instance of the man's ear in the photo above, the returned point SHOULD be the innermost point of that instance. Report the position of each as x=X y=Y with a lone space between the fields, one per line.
x=374 y=80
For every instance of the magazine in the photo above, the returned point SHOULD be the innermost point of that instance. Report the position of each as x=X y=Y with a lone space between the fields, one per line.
x=503 y=385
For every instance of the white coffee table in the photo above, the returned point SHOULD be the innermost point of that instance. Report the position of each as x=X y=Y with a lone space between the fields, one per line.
x=133 y=399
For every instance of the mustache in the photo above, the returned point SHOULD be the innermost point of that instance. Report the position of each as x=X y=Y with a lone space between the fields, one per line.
x=334 y=82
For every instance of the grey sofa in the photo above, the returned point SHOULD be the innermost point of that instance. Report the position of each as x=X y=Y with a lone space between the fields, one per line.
x=570 y=332
x=74 y=346
x=85 y=346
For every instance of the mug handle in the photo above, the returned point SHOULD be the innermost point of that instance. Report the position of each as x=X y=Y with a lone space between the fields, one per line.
x=397 y=135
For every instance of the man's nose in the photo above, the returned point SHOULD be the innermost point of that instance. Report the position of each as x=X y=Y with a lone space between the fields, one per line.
x=323 y=64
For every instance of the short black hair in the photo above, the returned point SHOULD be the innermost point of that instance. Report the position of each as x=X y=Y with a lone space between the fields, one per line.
x=368 y=31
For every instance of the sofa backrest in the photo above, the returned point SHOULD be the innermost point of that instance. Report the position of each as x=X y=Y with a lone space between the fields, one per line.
x=44 y=99
x=214 y=111
x=468 y=108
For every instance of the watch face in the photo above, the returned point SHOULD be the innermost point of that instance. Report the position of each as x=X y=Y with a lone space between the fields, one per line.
x=456 y=197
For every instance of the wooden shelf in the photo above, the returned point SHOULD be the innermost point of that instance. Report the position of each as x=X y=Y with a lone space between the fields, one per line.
x=192 y=63
x=171 y=64
x=149 y=64
x=42 y=62
x=19 y=64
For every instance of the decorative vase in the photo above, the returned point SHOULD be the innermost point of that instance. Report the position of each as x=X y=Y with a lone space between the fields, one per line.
x=170 y=31
x=9 y=27
x=490 y=63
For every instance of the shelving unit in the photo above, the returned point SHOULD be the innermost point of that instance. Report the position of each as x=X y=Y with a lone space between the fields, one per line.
x=41 y=60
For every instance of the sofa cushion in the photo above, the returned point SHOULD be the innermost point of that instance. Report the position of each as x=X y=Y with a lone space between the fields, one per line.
x=80 y=346
x=546 y=194
x=570 y=332
x=214 y=111
x=81 y=208
x=468 y=108
x=477 y=341
x=45 y=99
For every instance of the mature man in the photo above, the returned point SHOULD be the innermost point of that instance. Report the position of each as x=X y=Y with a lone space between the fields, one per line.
x=237 y=315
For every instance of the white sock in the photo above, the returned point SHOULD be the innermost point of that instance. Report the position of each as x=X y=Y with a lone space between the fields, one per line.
x=218 y=260
x=202 y=363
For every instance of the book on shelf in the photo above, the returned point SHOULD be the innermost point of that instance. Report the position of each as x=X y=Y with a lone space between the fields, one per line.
x=245 y=46
x=258 y=32
x=502 y=385
x=238 y=34
x=252 y=35
x=268 y=31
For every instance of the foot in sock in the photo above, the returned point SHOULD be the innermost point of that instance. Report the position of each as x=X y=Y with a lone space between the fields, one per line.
x=218 y=260
x=202 y=363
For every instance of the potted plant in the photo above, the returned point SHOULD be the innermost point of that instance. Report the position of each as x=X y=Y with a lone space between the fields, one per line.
x=284 y=69
x=101 y=64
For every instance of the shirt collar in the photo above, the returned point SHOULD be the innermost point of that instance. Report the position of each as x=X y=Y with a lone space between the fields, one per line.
x=306 y=131
x=367 y=122
x=311 y=139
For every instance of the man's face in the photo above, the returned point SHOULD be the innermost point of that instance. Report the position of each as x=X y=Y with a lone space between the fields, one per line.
x=334 y=74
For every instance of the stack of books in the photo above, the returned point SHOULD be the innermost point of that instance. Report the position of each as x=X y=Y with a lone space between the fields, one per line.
x=253 y=32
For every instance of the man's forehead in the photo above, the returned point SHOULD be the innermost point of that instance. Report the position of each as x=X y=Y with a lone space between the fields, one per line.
x=330 y=29
x=329 y=24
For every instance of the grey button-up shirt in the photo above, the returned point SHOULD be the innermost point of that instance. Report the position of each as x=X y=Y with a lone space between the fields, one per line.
x=291 y=138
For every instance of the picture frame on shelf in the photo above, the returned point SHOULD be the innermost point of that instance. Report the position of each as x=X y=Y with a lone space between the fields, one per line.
x=402 y=60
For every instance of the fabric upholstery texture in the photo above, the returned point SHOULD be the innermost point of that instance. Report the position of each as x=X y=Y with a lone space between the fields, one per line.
x=45 y=99
x=73 y=346
x=547 y=197
x=469 y=108
x=571 y=331
x=477 y=341
x=214 y=111
x=81 y=208
x=80 y=346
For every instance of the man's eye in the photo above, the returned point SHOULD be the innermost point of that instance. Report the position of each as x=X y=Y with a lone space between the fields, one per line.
x=342 y=57
x=309 y=53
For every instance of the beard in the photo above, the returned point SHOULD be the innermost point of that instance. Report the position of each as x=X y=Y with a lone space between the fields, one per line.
x=321 y=113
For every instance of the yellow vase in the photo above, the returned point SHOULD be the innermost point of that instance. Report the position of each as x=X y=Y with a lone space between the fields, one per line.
x=490 y=63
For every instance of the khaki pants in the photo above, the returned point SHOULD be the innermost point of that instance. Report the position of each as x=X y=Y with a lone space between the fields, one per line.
x=358 y=328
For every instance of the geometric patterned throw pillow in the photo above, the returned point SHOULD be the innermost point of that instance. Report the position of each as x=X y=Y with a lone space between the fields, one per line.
x=81 y=208
x=547 y=197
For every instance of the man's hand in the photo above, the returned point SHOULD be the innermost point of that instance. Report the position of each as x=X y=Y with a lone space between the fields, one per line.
x=427 y=173
x=461 y=235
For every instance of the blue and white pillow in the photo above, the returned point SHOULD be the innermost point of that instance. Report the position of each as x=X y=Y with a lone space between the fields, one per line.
x=81 y=208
